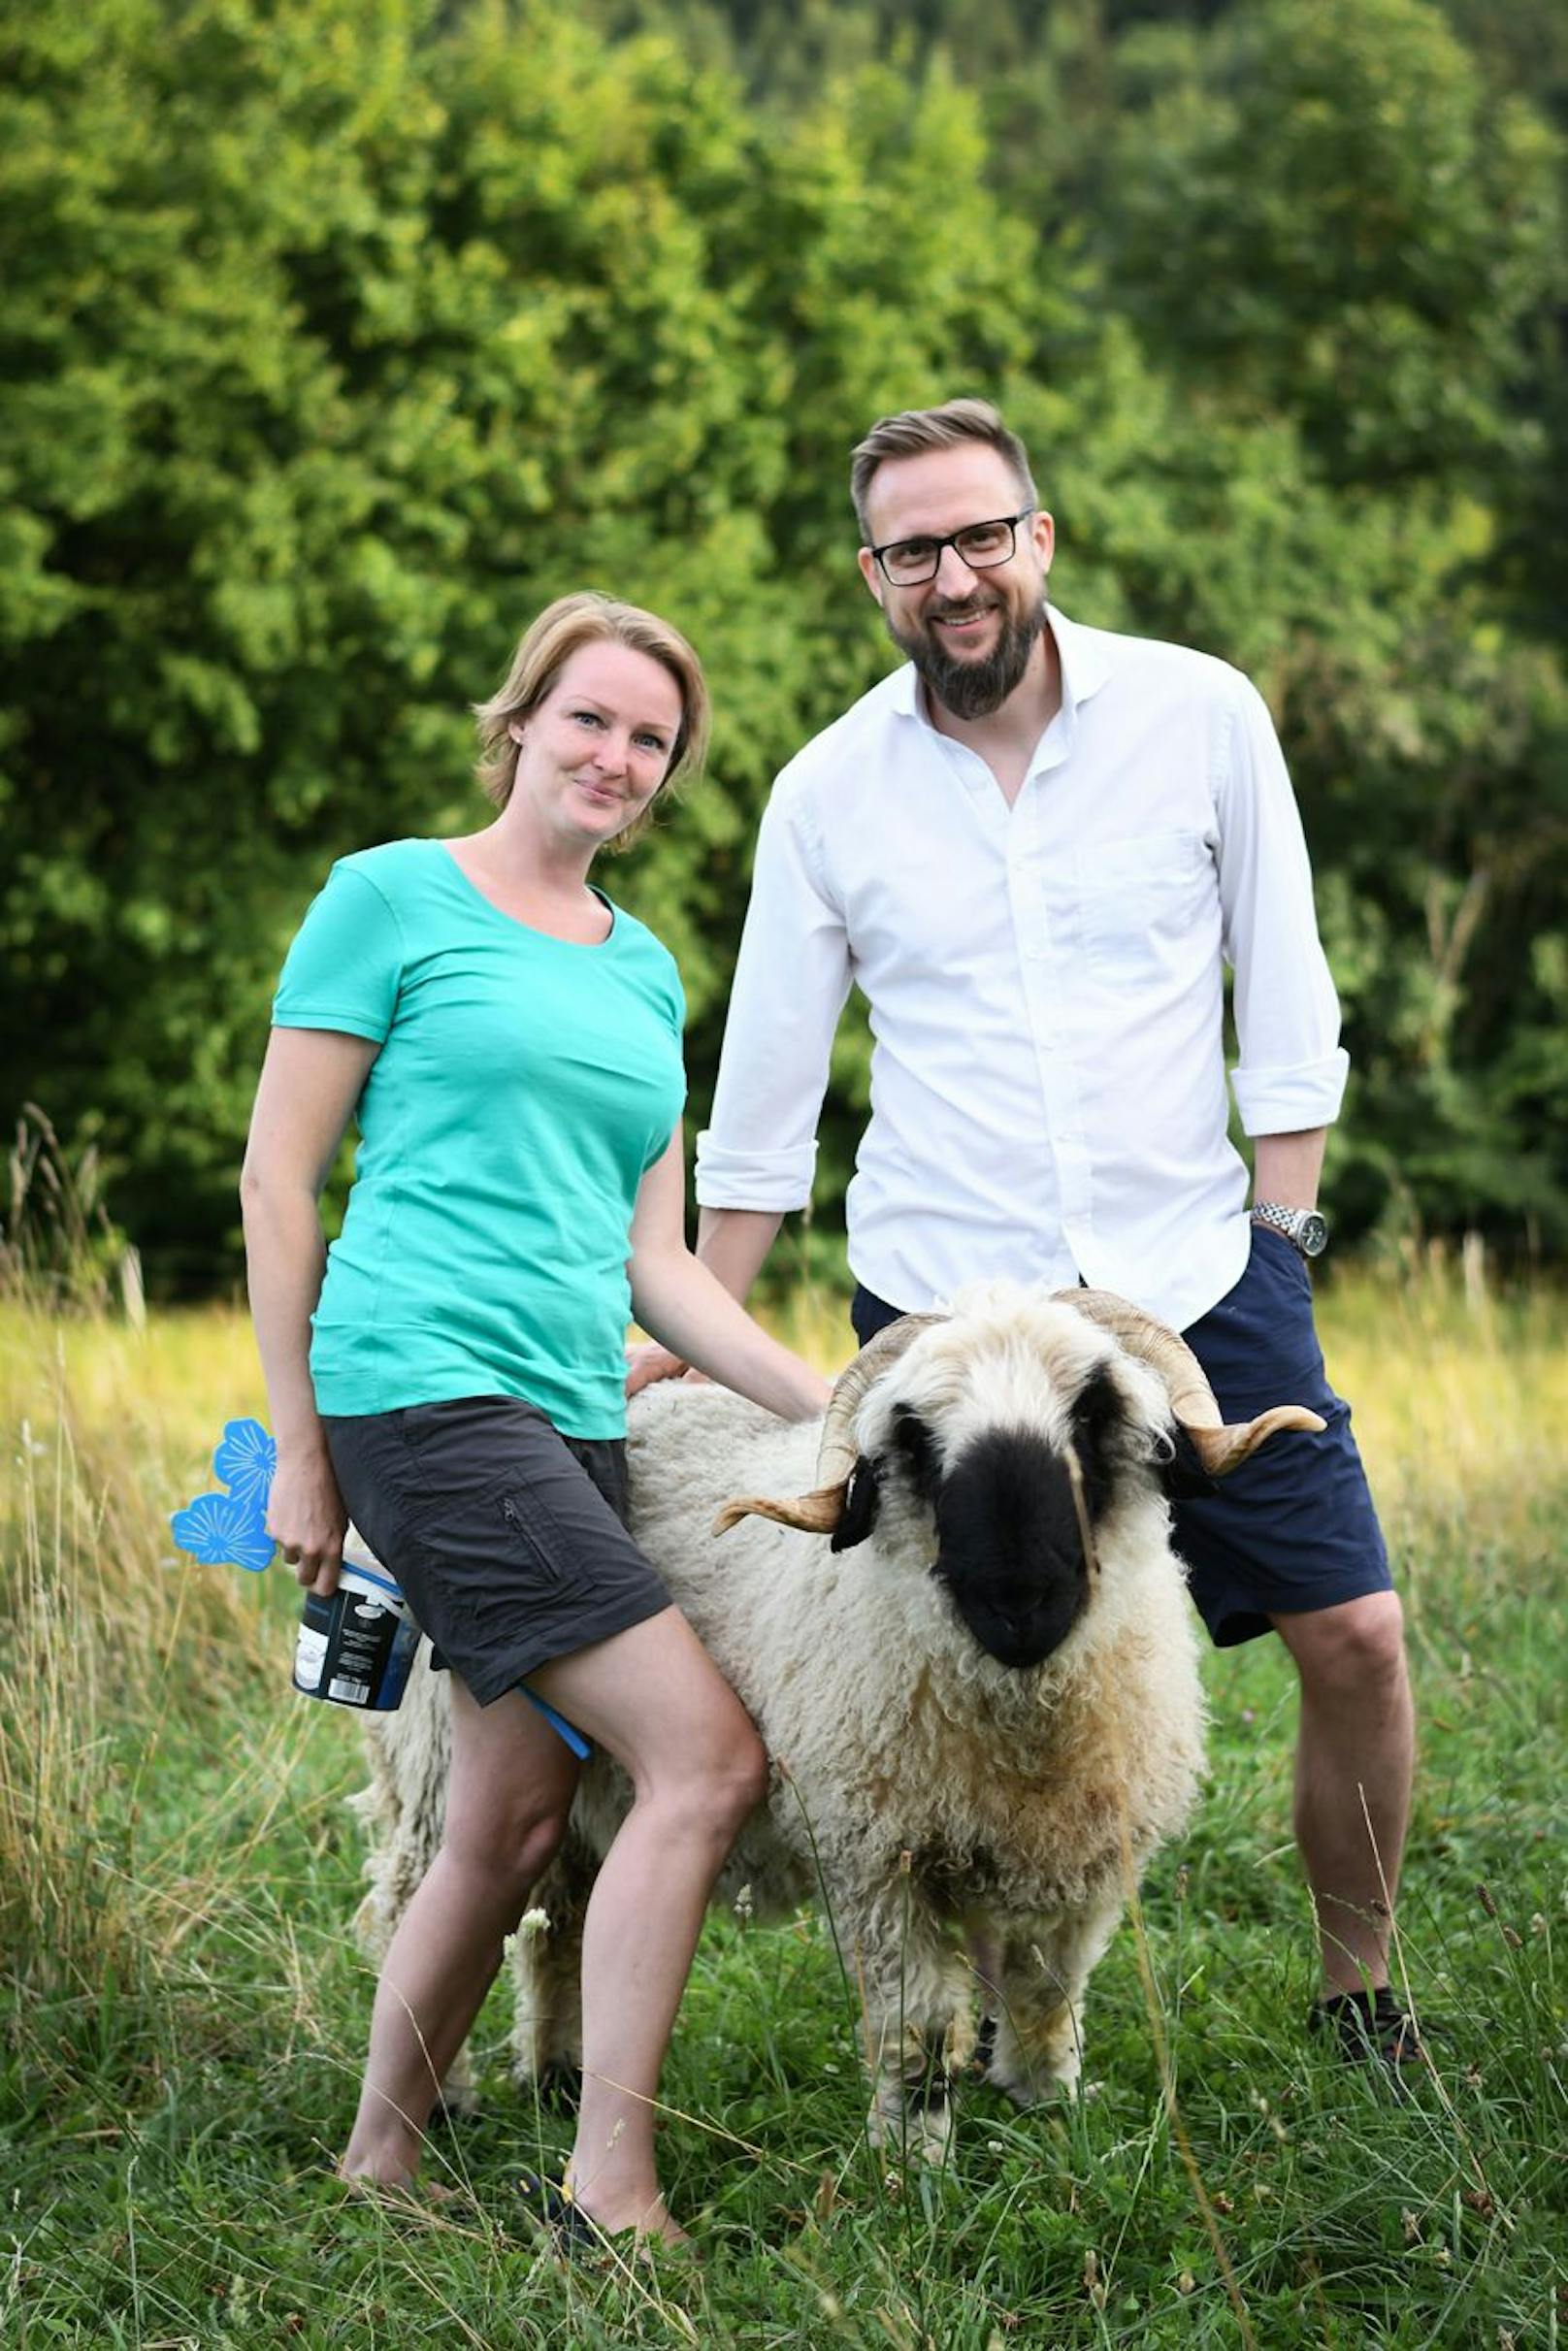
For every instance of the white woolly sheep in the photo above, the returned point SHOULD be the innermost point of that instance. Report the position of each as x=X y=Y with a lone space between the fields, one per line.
x=970 y=1655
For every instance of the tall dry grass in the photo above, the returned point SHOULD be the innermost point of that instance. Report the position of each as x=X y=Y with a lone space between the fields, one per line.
x=180 y=2042
x=110 y=1639
x=1460 y=1391
x=107 y=1633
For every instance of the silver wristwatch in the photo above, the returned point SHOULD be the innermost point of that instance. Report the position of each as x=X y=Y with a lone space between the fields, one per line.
x=1305 y=1228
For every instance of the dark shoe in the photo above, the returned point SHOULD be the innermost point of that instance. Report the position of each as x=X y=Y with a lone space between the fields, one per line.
x=1373 y=2029
x=568 y=2226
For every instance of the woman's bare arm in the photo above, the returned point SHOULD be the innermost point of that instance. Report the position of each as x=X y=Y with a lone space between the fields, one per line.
x=688 y=1310
x=310 y=1080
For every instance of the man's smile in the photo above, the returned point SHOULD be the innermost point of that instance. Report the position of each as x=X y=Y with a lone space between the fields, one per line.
x=965 y=621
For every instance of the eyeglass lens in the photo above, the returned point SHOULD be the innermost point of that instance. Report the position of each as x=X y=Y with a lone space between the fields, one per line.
x=982 y=546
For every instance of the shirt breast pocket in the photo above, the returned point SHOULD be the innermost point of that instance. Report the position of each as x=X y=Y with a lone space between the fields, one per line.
x=1143 y=906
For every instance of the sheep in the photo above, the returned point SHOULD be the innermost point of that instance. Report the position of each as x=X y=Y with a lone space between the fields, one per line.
x=968 y=1646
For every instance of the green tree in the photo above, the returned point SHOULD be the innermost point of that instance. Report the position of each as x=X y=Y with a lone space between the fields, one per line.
x=342 y=342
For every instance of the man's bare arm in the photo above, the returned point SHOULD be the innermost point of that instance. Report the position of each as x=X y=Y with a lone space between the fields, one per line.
x=733 y=1243
x=1285 y=1167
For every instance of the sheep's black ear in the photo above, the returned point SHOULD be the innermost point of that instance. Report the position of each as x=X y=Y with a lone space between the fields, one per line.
x=1102 y=1437
x=859 y=1514
x=914 y=1441
x=1182 y=1474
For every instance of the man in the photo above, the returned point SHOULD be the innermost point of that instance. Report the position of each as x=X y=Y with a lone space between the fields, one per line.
x=1033 y=849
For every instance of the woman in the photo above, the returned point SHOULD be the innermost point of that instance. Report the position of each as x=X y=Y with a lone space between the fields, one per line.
x=510 y=1043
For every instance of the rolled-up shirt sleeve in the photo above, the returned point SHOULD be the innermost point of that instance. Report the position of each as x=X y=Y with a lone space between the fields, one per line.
x=792 y=979
x=1292 y=1072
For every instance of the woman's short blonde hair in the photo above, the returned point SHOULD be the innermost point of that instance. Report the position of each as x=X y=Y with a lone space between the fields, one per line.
x=561 y=630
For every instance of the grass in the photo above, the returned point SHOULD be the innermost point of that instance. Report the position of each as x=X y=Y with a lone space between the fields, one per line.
x=183 y=2007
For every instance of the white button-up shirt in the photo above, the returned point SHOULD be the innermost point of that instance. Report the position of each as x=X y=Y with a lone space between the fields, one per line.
x=1045 y=984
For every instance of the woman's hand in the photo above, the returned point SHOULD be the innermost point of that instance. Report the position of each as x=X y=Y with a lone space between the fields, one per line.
x=650 y=1361
x=306 y=1515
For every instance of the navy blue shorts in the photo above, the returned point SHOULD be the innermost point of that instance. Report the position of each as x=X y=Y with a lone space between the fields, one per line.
x=508 y=1538
x=1293 y=1529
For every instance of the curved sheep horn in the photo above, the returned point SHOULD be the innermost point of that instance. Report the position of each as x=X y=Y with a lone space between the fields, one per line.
x=1220 y=1446
x=818 y=1512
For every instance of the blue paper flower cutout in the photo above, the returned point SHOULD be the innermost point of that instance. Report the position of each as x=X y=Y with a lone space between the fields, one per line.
x=245 y=1462
x=221 y=1529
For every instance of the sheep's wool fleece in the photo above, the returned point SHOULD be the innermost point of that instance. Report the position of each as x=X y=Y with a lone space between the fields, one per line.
x=1033 y=1786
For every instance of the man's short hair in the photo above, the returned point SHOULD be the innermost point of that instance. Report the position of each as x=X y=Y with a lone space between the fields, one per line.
x=915 y=431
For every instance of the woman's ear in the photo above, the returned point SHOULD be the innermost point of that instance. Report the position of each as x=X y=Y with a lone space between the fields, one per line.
x=516 y=730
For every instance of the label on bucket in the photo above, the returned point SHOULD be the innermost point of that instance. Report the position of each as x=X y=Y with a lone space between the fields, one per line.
x=355 y=1646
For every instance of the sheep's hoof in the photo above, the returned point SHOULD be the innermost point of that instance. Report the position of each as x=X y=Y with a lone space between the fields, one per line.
x=977 y=2065
x=457 y=2103
x=917 y=2138
x=1039 y=2087
x=558 y=2086
x=916 y=2120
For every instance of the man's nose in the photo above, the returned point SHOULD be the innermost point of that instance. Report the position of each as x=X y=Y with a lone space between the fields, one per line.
x=954 y=577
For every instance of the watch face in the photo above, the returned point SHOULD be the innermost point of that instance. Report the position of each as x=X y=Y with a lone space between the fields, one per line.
x=1313 y=1239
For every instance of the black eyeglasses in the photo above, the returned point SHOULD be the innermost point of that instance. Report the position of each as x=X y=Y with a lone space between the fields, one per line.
x=981 y=545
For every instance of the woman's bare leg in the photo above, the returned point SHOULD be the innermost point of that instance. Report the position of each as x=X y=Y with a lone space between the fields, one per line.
x=656 y=1702
x=508 y=1798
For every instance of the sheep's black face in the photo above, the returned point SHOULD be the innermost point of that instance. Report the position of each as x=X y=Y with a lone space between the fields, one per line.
x=1009 y=1548
x=1009 y=1542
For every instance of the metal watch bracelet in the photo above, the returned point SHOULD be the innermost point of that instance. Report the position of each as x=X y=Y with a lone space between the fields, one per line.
x=1305 y=1228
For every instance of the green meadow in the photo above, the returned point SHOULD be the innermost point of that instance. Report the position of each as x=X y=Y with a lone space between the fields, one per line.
x=183 y=2003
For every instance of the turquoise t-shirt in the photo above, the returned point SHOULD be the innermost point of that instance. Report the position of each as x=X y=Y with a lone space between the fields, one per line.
x=523 y=1088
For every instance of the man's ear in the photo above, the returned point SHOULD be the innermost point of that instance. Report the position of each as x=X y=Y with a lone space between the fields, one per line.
x=869 y=572
x=859 y=1514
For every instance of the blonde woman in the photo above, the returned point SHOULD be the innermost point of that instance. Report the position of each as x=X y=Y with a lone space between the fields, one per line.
x=451 y=1373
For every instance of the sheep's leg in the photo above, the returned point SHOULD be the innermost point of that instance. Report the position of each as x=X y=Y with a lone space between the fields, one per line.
x=547 y=1965
x=1039 y=2026
x=917 y=2016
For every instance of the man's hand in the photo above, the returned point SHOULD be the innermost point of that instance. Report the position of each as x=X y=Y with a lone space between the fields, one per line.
x=650 y=1361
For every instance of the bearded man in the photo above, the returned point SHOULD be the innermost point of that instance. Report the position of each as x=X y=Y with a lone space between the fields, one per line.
x=1035 y=848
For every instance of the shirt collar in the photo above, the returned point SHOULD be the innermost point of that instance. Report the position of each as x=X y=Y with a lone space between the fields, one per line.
x=1083 y=654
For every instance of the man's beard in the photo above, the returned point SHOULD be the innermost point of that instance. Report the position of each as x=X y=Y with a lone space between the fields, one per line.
x=975 y=689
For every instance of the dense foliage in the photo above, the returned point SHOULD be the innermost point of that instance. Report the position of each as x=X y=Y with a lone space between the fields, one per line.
x=340 y=334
